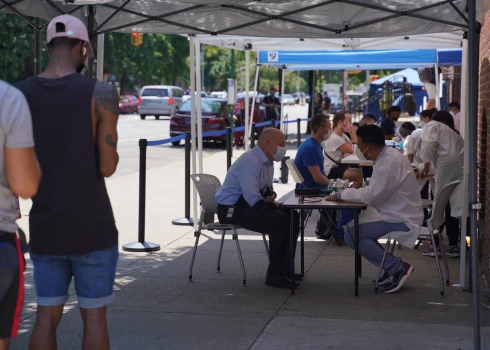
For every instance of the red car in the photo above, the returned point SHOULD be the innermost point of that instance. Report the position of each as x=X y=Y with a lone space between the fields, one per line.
x=128 y=104
x=216 y=115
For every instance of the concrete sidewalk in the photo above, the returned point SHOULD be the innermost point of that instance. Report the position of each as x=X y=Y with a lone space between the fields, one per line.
x=156 y=307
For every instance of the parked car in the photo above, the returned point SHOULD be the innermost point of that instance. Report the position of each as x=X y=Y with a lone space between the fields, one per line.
x=307 y=98
x=219 y=94
x=288 y=100
x=159 y=100
x=216 y=115
x=188 y=97
x=128 y=104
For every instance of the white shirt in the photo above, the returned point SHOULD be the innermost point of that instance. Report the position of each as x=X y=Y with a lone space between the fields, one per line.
x=412 y=145
x=457 y=120
x=331 y=147
x=393 y=191
x=445 y=147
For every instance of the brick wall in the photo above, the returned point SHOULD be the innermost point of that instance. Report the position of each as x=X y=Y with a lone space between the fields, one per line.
x=483 y=141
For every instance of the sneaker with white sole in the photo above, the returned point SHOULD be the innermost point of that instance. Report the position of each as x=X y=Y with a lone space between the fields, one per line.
x=453 y=252
x=397 y=280
x=383 y=279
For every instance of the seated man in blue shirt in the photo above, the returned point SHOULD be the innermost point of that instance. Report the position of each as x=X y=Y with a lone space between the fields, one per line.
x=246 y=199
x=310 y=163
x=388 y=124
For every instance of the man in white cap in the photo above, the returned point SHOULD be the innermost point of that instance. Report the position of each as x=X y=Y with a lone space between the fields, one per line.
x=72 y=229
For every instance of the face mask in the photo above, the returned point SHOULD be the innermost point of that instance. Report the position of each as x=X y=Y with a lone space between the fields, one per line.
x=360 y=155
x=327 y=135
x=280 y=153
x=452 y=113
x=422 y=124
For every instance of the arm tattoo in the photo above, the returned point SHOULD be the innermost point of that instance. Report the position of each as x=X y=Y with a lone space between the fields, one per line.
x=109 y=141
x=106 y=97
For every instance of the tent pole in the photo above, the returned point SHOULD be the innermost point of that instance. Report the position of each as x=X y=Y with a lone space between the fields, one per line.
x=192 y=64
x=473 y=48
x=438 y=83
x=257 y=69
x=466 y=169
x=90 y=28
x=247 y=97
x=100 y=57
x=281 y=121
x=197 y=58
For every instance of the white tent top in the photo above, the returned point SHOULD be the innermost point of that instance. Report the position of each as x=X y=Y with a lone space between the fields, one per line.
x=321 y=19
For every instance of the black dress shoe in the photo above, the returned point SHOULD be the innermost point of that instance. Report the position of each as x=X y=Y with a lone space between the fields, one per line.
x=280 y=281
x=297 y=276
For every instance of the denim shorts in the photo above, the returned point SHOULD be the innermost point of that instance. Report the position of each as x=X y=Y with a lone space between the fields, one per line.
x=94 y=275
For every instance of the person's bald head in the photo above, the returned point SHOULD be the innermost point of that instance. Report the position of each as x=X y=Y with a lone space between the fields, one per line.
x=269 y=140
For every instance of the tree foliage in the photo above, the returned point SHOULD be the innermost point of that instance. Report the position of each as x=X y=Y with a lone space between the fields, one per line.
x=161 y=59
x=17 y=48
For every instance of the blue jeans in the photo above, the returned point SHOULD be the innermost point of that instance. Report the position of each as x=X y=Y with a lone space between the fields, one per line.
x=94 y=275
x=345 y=217
x=369 y=247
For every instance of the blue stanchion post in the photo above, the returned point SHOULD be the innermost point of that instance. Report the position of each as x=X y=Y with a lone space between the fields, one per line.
x=186 y=220
x=141 y=245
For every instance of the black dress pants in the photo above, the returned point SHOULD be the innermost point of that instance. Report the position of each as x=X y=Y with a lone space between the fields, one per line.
x=268 y=219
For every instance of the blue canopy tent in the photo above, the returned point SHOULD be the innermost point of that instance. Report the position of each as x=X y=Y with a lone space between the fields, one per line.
x=367 y=60
x=362 y=59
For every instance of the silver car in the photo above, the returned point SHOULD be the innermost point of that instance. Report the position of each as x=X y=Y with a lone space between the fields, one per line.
x=159 y=100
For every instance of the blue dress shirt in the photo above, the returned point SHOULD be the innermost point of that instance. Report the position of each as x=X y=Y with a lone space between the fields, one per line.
x=250 y=174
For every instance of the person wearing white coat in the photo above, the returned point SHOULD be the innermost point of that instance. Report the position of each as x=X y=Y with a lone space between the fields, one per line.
x=442 y=145
x=394 y=205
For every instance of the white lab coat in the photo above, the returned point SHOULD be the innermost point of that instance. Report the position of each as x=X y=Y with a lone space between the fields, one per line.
x=392 y=196
x=412 y=145
x=445 y=147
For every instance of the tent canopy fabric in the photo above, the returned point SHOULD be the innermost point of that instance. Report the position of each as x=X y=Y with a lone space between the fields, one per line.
x=364 y=59
x=411 y=74
x=267 y=18
x=450 y=40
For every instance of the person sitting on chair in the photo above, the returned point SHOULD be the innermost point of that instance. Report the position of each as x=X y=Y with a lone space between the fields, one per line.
x=246 y=199
x=310 y=163
x=393 y=205
x=335 y=149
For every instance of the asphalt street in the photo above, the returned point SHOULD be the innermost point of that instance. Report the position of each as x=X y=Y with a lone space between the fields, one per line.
x=131 y=129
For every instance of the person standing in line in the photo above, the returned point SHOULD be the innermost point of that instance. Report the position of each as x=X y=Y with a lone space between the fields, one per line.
x=72 y=228
x=272 y=106
x=327 y=103
x=19 y=173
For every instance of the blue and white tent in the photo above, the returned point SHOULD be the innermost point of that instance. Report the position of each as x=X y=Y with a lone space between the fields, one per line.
x=362 y=59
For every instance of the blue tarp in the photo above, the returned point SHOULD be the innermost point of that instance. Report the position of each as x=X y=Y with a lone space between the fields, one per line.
x=362 y=59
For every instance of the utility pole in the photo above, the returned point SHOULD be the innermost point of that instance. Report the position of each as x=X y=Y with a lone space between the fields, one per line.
x=202 y=66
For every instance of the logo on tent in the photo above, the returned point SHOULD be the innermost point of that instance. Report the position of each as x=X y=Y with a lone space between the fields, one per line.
x=273 y=56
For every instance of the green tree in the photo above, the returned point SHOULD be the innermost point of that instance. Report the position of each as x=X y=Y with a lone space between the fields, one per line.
x=162 y=59
x=17 y=48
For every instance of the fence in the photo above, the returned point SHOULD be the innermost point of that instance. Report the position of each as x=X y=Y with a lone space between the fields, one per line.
x=141 y=245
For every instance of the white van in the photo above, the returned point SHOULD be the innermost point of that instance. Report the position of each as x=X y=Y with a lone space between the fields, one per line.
x=159 y=100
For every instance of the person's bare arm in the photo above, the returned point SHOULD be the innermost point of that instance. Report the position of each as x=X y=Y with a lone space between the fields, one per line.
x=23 y=172
x=318 y=177
x=410 y=157
x=347 y=148
x=105 y=107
